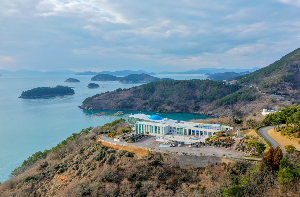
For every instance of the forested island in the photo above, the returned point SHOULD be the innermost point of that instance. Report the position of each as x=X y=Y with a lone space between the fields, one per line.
x=192 y=96
x=93 y=85
x=132 y=78
x=104 y=77
x=72 y=80
x=42 y=92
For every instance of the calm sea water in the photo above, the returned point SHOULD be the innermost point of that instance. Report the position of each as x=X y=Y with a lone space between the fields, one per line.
x=31 y=125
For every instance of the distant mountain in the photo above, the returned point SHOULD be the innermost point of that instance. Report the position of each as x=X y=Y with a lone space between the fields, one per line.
x=117 y=73
x=30 y=72
x=211 y=71
x=228 y=76
x=281 y=77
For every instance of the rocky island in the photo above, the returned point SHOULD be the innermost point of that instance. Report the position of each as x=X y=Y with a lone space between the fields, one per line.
x=93 y=85
x=72 y=80
x=42 y=92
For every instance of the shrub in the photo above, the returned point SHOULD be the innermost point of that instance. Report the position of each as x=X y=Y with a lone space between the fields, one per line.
x=29 y=178
x=290 y=148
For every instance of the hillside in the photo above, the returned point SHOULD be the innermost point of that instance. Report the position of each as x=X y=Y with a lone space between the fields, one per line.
x=281 y=77
x=81 y=166
x=289 y=118
x=206 y=97
x=228 y=76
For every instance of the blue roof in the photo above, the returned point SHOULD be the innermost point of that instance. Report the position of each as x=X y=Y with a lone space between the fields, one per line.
x=155 y=117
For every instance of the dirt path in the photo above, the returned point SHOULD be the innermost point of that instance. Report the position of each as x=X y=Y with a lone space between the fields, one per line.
x=283 y=141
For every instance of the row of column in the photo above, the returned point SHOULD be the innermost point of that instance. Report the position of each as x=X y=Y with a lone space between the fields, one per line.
x=141 y=128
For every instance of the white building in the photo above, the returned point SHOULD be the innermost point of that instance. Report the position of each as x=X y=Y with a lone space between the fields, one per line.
x=267 y=111
x=155 y=125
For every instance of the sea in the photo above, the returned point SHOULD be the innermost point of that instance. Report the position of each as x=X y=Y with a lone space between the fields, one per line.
x=31 y=125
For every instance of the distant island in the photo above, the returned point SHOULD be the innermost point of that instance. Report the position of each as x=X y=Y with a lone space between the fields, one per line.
x=208 y=71
x=132 y=78
x=228 y=76
x=42 y=92
x=104 y=77
x=140 y=78
x=118 y=73
x=72 y=80
x=93 y=85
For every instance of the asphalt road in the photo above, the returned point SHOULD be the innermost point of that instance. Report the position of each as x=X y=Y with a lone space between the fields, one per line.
x=149 y=142
x=264 y=132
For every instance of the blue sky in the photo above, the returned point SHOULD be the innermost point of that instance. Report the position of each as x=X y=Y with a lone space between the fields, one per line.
x=154 y=35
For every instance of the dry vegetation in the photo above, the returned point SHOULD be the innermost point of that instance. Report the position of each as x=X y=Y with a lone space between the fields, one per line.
x=85 y=168
x=139 y=152
x=283 y=141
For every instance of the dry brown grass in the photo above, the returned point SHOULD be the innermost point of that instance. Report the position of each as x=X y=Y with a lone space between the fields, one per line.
x=252 y=134
x=140 y=152
x=282 y=140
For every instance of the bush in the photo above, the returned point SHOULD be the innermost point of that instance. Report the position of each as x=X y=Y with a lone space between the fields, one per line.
x=29 y=178
x=290 y=148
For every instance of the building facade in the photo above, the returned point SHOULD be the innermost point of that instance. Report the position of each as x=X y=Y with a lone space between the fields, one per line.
x=155 y=125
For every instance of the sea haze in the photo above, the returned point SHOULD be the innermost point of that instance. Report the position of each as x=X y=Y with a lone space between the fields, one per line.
x=31 y=125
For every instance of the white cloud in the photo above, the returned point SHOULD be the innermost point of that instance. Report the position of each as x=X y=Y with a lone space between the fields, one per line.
x=189 y=62
x=6 y=59
x=11 y=13
x=80 y=51
x=240 y=14
x=193 y=33
x=291 y=2
x=99 y=11
x=247 y=49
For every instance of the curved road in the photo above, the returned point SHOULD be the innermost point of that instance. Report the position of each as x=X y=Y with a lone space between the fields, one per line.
x=264 y=132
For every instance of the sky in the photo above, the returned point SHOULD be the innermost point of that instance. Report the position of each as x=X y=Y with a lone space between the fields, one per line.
x=156 y=35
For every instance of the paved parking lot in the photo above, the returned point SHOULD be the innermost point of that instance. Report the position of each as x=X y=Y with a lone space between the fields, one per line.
x=149 y=142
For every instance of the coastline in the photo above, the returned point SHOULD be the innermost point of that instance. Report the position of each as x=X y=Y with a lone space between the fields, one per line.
x=44 y=96
x=208 y=115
